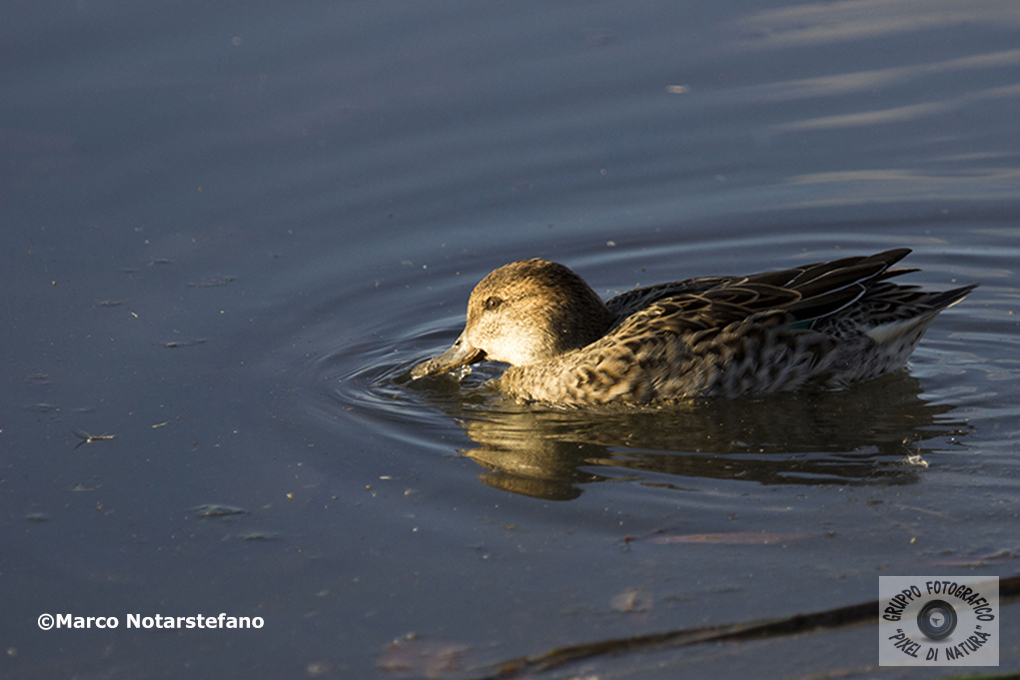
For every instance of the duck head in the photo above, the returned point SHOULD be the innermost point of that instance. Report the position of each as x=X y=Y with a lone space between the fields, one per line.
x=524 y=313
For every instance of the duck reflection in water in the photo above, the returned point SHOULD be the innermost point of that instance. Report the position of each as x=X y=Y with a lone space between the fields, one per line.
x=873 y=434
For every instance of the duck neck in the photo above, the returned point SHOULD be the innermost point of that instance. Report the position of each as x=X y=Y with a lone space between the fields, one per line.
x=584 y=326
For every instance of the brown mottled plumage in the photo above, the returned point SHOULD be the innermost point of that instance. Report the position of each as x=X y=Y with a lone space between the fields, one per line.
x=823 y=325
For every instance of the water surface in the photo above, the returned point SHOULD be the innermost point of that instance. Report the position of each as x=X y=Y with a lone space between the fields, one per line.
x=231 y=229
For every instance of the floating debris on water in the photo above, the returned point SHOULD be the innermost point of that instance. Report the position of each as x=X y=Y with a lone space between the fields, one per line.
x=213 y=510
x=730 y=538
x=184 y=343
x=87 y=438
x=431 y=658
x=213 y=282
x=632 y=600
x=258 y=536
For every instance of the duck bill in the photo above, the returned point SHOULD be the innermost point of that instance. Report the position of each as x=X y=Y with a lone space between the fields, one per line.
x=462 y=352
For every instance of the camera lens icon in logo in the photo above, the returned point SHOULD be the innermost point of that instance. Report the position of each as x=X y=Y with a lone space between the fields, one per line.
x=937 y=620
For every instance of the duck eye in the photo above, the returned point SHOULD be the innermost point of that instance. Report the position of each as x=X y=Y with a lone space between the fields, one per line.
x=493 y=302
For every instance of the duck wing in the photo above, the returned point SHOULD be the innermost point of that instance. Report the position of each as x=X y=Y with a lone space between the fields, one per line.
x=801 y=294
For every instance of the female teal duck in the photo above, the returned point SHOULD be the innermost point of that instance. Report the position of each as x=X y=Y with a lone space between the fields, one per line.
x=822 y=325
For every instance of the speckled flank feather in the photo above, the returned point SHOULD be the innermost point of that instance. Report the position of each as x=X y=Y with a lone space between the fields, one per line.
x=824 y=325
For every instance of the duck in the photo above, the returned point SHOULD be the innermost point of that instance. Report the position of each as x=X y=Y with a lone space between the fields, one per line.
x=818 y=326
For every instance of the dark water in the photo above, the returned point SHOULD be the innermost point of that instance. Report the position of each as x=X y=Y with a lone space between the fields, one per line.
x=229 y=229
